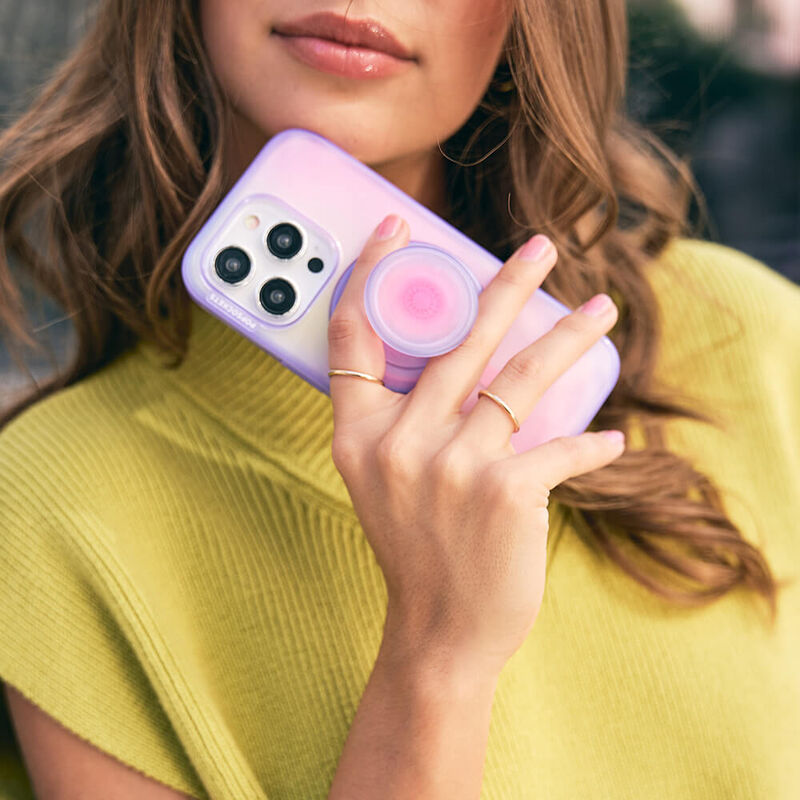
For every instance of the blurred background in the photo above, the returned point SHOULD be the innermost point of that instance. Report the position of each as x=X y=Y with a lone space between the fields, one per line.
x=718 y=80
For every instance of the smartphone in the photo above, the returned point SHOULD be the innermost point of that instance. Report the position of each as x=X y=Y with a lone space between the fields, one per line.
x=273 y=257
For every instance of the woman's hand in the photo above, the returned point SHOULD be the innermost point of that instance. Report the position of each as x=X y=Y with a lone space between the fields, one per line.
x=458 y=521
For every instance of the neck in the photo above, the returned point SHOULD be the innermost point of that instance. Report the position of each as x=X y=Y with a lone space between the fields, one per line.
x=420 y=175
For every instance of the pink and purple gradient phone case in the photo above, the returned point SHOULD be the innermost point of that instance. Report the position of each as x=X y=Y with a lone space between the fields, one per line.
x=421 y=300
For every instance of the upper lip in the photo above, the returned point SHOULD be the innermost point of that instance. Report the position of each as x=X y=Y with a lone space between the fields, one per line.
x=354 y=32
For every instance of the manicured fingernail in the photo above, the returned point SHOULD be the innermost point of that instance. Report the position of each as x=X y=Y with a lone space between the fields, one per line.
x=618 y=437
x=389 y=227
x=598 y=305
x=535 y=248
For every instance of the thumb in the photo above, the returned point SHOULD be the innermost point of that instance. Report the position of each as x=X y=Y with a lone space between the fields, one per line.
x=352 y=344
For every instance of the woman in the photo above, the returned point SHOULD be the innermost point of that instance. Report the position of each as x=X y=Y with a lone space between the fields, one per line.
x=218 y=582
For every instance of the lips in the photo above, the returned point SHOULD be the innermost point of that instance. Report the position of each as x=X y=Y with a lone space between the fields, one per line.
x=361 y=33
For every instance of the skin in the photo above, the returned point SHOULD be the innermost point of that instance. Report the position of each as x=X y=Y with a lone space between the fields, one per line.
x=427 y=479
x=391 y=124
x=415 y=466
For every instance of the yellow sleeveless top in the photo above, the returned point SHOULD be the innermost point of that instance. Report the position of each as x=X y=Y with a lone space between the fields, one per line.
x=184 y=583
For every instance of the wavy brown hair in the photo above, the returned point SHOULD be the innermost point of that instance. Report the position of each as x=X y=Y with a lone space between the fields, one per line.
x=122 y=158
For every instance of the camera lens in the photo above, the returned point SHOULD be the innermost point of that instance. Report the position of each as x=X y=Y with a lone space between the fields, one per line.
x=232 y=265
x=284 y=240
x=277 y=296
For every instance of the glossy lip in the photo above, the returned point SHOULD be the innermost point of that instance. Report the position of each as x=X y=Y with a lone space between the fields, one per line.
x=366 y=33
x=351 y=48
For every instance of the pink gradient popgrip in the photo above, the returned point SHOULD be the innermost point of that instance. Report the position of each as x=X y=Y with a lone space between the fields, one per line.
x=422 y=302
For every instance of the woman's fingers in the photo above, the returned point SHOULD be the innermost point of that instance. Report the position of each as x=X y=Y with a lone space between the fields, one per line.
x=526 y=377
x=447 y=380
x=558 y=460
x=352 y=344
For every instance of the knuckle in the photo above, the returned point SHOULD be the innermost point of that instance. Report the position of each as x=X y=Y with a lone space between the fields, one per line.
x=346 y=453
x=506 y=488
x=573 y=448
x=525 y=366
x=342 y=327
x=475 y=341
x=452 y=465
x=394 y=455
x=514 y=276
x=573 y=323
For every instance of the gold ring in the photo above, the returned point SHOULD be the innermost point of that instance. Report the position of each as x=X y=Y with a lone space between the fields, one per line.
x=502 y=405
x=355 y=374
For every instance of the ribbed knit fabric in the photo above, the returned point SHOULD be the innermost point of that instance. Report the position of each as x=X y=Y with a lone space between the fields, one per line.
x=184 y=583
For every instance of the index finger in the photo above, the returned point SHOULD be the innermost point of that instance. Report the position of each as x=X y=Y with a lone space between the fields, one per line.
x=352 y=343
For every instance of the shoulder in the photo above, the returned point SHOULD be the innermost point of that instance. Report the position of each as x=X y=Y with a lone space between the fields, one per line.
x=722 y=288
x=76 y=548
x=723 y=311
x=712 y=260
x=82 y=467
x=730 y=328
x=95 y=441
x=729 y=325
x=75 y=417
x=92 y=474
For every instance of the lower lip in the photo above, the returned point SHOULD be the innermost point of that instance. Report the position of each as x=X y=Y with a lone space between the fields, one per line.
x=339 y=59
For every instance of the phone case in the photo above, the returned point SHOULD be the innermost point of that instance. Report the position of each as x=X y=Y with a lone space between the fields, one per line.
x=335 y=202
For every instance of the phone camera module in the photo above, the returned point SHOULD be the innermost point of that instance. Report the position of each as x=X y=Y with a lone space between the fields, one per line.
x=277 y=296
x=284 y=240
x=232 y=265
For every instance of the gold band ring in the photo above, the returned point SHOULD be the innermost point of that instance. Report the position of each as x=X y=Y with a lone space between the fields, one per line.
x=355 y=374
x=502 y=405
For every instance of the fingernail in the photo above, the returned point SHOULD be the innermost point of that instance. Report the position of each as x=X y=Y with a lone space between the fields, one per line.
x=618 y=437
x=389 y=227
x=535 y=248
x=598 y=305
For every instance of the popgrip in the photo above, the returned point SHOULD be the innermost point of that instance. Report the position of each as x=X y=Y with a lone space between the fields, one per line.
x=422 y=302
